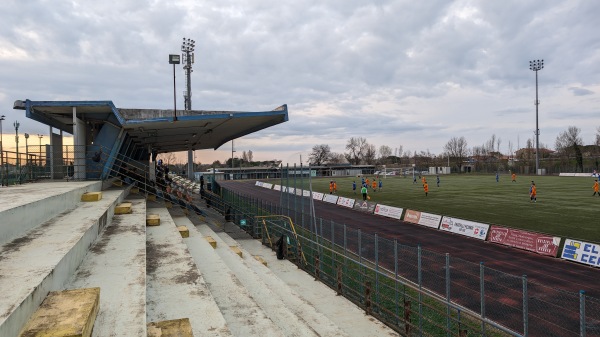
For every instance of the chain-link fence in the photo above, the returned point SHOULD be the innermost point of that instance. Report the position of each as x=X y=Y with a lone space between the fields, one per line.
x=416 y=291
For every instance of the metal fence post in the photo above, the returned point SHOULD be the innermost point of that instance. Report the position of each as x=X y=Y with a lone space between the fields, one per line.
x=360 y=267
x=396 y=280
x=332 y=247
x=448 y=329
x=525 y=308
x=419 y=274
x=482 y=294
x=376 y=270
x=582 y=329
x=345 y=252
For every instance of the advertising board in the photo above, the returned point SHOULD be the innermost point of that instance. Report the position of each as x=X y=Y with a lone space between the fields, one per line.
x=277 y=187
x=388 y=211
x=346 y=202
x=306 y=193
x=582 y=252
x=365 y=206
x=422 y=218
x=290 y=190
x=534 y=242
x=464 y=227
x=267 y=185
x=318 y=195
x=258 y=183
x=331 y=198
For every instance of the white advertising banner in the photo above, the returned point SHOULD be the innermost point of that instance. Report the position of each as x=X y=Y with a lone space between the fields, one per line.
x=258 y=183
x=299 y=192
x=346 y=202
x=582 y=252
x=318 y=195
x=422 y=218
x=306 y=193
x=388 y=211
x=290 y=190
x=465 y=227
x=330 y=198
x=267 y=185
x=277 y=187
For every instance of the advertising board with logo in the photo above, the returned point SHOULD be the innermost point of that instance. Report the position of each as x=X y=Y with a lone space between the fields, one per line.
x=318 y=195
x=258 y=183
x=330 y=198
x=534 y=242
x=422 y=218
x=346 y=202
x=388 y=211
x=277 y=187
x=582 y=252
x=290 y=190
x=465 y=227
x=364 y=206
x=267 y=185
x=306 y=193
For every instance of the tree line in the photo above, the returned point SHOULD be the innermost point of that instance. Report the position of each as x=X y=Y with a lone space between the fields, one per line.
x=569 y=153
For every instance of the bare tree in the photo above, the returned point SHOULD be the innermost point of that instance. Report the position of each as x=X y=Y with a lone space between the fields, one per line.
x=250 y=156
x=598 y=136
x=320 y=154
x=384 y=153
x=570 y=141
x=337 y=158
x=357 y=148
x=457 y=148
x=510 y=148
x=245 y=156
x=370 y=154
x=498 y=142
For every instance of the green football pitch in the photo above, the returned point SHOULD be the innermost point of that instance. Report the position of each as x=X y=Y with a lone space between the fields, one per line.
x=565 y=206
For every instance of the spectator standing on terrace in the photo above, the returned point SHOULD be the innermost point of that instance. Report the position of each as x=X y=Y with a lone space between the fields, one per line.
x=596 y=187
x=363 y=191
x=533 y=192
x=426 y=188
x=354 y=187
x=202 y=182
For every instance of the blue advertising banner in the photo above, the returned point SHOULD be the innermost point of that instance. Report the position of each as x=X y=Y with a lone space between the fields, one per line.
x=582 y=252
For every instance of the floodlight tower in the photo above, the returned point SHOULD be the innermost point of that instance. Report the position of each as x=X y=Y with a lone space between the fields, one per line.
x=187 y=49
x=536 y=65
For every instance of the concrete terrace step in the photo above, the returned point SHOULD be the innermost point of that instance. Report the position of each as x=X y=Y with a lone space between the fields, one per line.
x=26 y=206
x=273 y=296
x=117 y=264
x=243 y=315
x=296 y=304
x=343 y=313
x=44 y=258
x=175 y=288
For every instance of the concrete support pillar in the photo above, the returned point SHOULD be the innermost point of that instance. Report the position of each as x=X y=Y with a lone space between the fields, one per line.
x=190 y=169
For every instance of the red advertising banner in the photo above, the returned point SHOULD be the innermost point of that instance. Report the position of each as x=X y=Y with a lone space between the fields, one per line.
x=534 y=242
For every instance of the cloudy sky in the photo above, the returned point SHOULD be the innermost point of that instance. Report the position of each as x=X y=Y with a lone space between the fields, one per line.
x=398 y=73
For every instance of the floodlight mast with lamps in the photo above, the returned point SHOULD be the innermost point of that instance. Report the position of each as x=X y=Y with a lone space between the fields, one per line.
x=187 y=48
x=536 y=65
x=174 y=59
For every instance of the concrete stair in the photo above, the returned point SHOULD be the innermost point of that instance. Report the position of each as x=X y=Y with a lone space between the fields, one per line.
x=116 y=263
x=290 y=315
x=175 y=287
x=43 y=258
